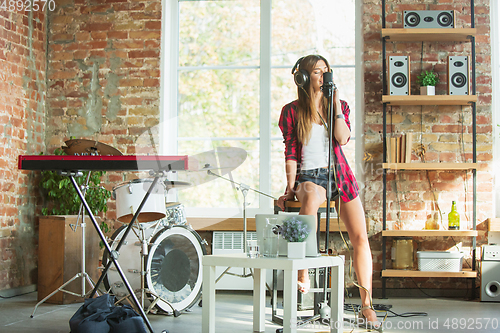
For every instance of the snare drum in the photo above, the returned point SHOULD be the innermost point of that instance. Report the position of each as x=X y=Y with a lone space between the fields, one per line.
x=129 y=196
x=176 y=214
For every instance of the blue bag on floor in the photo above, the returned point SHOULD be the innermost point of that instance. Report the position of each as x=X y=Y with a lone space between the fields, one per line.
x=100 y=315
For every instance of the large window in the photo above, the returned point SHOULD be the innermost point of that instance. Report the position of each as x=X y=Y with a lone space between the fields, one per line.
x=228 y=67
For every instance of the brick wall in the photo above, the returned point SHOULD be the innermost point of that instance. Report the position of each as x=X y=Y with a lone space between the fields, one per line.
x=410 y=200
x=104 y=74
x=22 y=128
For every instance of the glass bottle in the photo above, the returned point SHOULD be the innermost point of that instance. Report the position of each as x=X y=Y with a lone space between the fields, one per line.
x=270 y=238
x=432 y=222
x=453 y=217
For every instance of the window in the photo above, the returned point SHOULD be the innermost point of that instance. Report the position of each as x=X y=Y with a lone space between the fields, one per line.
x=227 y=74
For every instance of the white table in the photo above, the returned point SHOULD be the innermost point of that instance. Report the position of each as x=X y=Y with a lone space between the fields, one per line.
x=259 y=266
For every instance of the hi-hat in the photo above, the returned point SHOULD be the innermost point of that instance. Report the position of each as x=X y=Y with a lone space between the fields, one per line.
x=89 y=147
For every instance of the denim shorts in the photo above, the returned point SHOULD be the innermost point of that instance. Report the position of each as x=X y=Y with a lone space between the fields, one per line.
x=319 y=177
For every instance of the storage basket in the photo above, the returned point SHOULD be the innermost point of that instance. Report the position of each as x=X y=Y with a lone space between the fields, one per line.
x=445 y=261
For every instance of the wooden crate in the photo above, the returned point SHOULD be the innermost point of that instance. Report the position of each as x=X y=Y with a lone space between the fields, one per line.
x=60 y=256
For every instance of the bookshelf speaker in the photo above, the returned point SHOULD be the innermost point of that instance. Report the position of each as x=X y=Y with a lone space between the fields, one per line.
x=426 y=19
x=458 y=75
x=399 y=75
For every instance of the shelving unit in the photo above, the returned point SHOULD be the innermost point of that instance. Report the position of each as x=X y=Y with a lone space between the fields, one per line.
x=428 y=35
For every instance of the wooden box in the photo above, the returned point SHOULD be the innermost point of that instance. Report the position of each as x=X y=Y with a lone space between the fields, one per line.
x=60 y=257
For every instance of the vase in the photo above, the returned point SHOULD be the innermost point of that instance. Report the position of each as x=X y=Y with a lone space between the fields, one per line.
x=296 y=250
x=270 y=238
x=428 y=90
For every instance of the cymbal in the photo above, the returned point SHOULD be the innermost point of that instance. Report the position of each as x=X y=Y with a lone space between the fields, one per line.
x=89 y=147
x=219 y=161
x=176 y=184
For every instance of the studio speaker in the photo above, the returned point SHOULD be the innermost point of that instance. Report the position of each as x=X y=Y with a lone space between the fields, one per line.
x=316 y=295
x=399 y=75
x=425 y=19
x=458 y=75
x=490 y=274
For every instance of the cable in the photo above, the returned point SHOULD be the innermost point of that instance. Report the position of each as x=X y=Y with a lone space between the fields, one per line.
x=385 y=308
x=9 y=297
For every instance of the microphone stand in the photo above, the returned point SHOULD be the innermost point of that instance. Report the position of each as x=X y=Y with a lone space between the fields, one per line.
x=329 y=89
x=244 y=190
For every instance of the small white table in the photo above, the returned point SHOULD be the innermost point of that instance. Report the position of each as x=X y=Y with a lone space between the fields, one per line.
x=290 y=268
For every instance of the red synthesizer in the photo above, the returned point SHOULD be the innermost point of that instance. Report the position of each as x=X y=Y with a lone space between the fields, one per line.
x=103 y=163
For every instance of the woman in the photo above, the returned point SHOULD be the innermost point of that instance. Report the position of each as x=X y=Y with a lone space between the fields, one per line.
x=306 y=163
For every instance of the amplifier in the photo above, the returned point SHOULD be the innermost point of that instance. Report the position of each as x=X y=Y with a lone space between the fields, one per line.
x=311 y=300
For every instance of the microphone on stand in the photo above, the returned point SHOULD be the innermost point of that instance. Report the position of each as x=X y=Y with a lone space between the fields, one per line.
x=328 y=87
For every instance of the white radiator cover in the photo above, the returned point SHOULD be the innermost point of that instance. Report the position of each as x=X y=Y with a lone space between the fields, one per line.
x=227 y=242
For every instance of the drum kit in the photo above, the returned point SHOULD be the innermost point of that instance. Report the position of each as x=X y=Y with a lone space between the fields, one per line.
x=162 y=254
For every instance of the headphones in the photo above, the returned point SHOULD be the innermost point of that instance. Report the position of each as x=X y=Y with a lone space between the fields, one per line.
x=300 y=76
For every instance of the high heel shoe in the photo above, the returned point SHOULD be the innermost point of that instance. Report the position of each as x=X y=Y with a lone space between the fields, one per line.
x=365 y=323
x=303 y=287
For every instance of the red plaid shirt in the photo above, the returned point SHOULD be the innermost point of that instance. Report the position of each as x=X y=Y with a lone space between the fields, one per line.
x=293 y=149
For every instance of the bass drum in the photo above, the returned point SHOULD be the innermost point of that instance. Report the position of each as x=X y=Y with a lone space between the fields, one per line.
x=174 y=270
x=129 y=260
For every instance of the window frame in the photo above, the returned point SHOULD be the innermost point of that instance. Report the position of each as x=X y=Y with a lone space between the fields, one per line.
x=169 y=102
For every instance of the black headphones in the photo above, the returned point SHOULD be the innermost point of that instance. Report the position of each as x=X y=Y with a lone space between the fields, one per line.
x=300 y=76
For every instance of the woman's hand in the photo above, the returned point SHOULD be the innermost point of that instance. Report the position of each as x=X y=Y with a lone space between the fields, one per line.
x=289 y=196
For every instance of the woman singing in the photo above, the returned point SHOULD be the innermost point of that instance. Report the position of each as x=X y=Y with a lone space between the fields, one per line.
x=302 y=123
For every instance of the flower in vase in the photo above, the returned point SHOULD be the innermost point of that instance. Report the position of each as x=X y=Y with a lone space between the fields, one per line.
x=294 y=230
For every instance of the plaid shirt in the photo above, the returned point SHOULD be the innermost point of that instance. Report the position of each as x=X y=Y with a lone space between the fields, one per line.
x=293 y=150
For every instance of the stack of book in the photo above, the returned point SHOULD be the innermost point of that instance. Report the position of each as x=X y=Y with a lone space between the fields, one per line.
x=399 y=148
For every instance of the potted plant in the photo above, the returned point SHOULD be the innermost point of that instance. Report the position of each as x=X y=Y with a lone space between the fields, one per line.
x=427 y=81
x=61 y=197
x=295 y=232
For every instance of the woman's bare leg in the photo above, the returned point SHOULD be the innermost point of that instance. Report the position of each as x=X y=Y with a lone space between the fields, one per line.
x=353 y=216
x=311 y=196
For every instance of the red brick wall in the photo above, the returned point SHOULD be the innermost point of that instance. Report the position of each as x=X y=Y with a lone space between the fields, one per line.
x=22 y=128
x=410 y=200
x=104 y=74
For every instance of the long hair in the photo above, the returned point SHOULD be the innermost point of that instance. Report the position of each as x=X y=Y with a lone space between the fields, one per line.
x=307 y=111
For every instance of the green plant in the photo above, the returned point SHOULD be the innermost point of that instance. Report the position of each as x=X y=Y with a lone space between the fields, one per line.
x=61 y=197
x=294 y=230
x=427 y=78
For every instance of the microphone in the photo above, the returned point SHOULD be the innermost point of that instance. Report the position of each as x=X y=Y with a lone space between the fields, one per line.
x=328 y=87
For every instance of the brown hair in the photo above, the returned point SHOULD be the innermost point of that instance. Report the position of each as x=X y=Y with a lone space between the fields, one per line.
x=306 y=109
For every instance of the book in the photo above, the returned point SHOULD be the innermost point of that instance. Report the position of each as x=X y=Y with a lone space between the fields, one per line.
x=393 y=150
x=408 y=145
